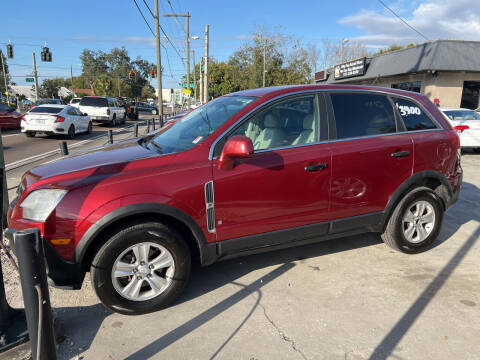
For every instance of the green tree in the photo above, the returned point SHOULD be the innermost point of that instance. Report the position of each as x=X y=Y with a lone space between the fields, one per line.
x=49 y=87
x=393 y=47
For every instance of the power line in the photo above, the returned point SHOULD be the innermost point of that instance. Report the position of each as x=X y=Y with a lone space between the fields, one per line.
x=141 y=13
x=402 y=20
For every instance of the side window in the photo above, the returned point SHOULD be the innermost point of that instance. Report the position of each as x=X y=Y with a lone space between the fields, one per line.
x=78 y=112
x=289 y=122
x=360 y=114
x=110 y=103
x=413 y=116
x=71 y=111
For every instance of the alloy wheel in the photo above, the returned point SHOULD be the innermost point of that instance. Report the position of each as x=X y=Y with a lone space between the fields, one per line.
x=143 y=271
x=418 y=221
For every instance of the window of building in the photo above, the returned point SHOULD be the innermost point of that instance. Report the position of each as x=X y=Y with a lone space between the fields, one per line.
x=470 y=95
x=414 y=86
x=362 y=115
x=413 y=116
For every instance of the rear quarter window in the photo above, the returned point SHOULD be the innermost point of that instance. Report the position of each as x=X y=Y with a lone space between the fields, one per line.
x=91 y=101
x=413 y=115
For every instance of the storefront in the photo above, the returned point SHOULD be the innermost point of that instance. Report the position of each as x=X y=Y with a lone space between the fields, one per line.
x=447 y=70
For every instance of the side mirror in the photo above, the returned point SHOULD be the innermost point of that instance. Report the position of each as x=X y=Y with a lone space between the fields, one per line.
x=85 y=114
x=237 y=147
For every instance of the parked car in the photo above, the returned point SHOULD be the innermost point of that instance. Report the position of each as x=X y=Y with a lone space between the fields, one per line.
x=103 y=109
x=467 y=125
x=135 y=108
x=9 y=118
x=75 y=102
x=55 y=119
x=248 y=172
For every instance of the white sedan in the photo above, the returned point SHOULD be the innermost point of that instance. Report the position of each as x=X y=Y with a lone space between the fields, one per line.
x=55 y=119
x=467 y=125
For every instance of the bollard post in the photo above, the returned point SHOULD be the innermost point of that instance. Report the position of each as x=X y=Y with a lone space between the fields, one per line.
x=110 y=136
x=135 y=130
x=31 y=262
x=153 y=123
x=64 y=148
x=148 y=126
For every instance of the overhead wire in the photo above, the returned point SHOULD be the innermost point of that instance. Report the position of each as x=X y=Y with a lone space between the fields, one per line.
x=403 y=20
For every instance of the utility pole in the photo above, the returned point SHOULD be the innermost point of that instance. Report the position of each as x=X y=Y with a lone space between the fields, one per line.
x=205 y=73
x=200 y=79
x=343 y=48
x=71 y=78
x=118 y=85
x=264 y=60
x=35 y=75
x=4 y=76
x=187 y=15
x=159 y=64
x=194 y=80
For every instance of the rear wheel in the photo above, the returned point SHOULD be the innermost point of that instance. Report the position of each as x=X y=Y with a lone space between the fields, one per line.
x=142 y=268
x=71 y=132
x=415 y=223
x=114 y=120
x=124 y=119
x=30 y=133
x=89 y=128
x=154 y=112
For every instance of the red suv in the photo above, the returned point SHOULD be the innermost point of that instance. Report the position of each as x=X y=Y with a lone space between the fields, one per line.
x=249 y=172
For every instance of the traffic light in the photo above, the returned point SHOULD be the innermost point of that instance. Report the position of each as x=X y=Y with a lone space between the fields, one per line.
x=10 y=51
x=131 y=75
x=154 y=74
x=46 y=55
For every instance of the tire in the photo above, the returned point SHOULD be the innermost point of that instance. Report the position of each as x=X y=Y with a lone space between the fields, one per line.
x=114 y=120
x=136 y=116
x=154 y=112
x=71 y=132
x=118 y=245
x=30 y=133
x=476 y=150
x=398 y=228
x=89 y=128
x=124 y=119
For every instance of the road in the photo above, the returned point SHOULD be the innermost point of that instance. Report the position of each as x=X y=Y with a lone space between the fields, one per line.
x=18 y=147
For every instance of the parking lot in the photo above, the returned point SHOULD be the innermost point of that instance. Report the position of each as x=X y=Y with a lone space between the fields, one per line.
x=351 y=298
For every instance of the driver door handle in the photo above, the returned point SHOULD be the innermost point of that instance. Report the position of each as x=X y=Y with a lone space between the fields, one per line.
x=317 y=167
x=401 y=154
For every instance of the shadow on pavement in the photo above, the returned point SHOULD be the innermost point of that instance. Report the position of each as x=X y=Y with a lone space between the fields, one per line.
x=464 y=211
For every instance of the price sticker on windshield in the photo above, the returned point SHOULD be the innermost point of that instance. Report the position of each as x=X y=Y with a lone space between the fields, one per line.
x=408 y=110
x=197 y=139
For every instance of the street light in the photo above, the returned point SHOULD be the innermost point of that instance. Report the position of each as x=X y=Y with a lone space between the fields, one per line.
x=344 y=41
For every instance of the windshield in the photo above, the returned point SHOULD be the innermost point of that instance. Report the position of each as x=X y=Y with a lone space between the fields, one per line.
x=463 y=115
x=198 y=125
x=46 y=110
x=93 y=101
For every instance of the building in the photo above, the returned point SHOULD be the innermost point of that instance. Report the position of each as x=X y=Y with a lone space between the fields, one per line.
x=25 y=90
x=171 y=95
x=447 y=70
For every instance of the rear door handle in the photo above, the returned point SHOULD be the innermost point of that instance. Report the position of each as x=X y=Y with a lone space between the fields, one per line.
x=401 y=153
x=312 y=168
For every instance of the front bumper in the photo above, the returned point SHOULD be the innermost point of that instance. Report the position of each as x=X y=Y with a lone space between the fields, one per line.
x=61 y=274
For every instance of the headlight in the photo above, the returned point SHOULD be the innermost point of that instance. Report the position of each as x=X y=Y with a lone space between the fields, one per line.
x=40 y=203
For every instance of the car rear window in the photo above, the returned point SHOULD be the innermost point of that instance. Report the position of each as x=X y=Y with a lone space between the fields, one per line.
x=46 y=109
x=413 y=116
x=93 y=101
x=462 y=115
x=362 y=115
x=74 y=101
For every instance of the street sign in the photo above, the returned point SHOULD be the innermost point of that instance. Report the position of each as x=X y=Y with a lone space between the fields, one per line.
x=132 y=75
x=192 y=85
x=29 y=79
x=186 y=91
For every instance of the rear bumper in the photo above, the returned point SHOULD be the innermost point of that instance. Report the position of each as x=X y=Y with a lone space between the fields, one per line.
x=61 y=274
x=100 y=118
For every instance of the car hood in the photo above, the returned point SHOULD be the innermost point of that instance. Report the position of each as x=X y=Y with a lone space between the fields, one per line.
x=119 y=153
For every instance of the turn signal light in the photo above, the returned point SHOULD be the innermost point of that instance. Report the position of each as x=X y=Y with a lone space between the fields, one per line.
x=60 y=241
x=59 y=118
x=460 y=128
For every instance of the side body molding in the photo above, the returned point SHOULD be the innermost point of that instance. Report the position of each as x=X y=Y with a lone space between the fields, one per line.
x=206 y=255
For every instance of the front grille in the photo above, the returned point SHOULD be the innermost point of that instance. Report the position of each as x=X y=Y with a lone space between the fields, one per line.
x=210 y=206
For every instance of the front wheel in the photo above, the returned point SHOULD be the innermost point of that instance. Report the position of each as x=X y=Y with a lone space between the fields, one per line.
x=415 y=223
x=89 y=128
x=141 y=269
x=30 y=133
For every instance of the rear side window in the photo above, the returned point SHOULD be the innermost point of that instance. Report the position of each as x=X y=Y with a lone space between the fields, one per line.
x=413 y=116
x=362 y=115
x=93 y=101
x=46 y=110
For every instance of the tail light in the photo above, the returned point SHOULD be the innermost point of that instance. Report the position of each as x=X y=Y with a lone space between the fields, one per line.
x=108 y=111
x=59 y=119
x=460 y=128
x=23 y=118
x=128 y=109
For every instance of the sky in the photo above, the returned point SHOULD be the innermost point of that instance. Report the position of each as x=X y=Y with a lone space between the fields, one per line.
x=67 y=27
